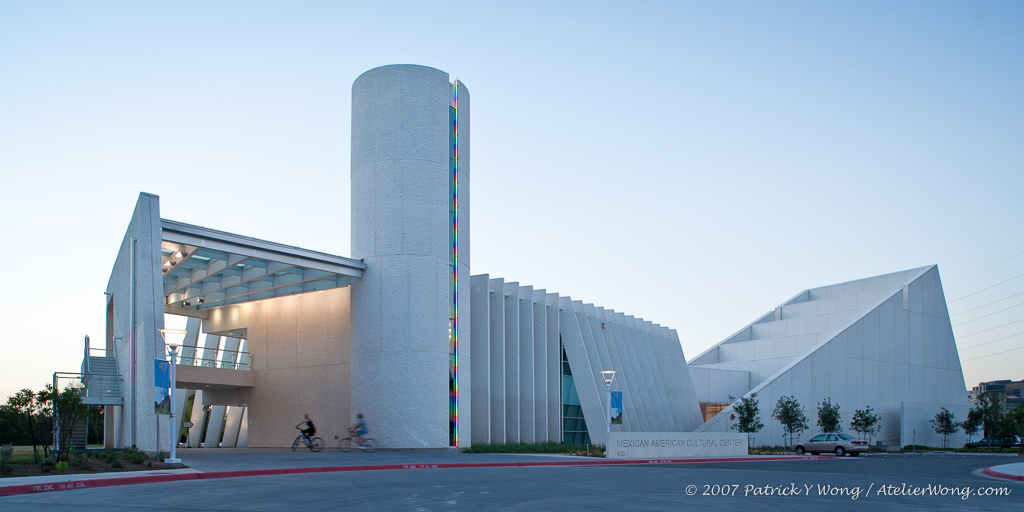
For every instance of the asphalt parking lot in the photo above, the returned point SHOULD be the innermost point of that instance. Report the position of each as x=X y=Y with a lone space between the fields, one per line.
x=913 y=482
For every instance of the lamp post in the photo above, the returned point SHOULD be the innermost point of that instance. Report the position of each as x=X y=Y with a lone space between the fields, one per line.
x=609 y=376
x=173 y=338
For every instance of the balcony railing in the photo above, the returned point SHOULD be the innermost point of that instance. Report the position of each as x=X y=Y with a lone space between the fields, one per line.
x=89 y=385
x=230 y=359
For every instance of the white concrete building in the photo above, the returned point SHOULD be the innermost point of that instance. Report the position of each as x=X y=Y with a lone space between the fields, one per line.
x=400 y=332
x=884 y=342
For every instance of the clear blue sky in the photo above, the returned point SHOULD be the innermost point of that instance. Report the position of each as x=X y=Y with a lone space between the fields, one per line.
x=692 y=163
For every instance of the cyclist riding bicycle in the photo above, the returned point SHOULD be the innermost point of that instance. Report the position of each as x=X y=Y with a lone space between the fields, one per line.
x=308 y=430
x=359 y=430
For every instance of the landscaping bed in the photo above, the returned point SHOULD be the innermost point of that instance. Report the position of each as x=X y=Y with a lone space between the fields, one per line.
x=107 y=461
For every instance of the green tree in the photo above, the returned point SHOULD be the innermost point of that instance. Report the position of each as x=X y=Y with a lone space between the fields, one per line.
x=866 y=423
x=829 y=418
x=944 y=424
x=747 y=413
x=1013 y=421
x=67 y=411
x=973 y=423
x=26 y=408
x=992 y=406
x=791 y=415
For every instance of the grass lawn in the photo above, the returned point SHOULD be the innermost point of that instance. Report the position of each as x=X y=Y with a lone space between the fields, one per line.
x=24 y=453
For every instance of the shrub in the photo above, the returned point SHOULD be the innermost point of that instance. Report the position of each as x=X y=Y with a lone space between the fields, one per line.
x=62 y=467
x=6 y=453
x=547 y=447
x=117 y=463
x=47 y=464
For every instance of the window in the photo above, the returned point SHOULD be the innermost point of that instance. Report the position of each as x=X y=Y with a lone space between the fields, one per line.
x=574 y=427
x=830 y=437
x=818 y=439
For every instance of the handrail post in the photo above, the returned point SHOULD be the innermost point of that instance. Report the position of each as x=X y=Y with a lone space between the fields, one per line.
x=88 y=364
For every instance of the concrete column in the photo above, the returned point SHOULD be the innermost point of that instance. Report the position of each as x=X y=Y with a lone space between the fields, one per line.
x=401 y=228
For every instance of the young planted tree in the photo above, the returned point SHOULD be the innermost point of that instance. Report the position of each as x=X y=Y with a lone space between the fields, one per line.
x=866 y=423
x=828 y=416
x=973 y=423
x=791 y=415
x=747 y=413
x=944 y=424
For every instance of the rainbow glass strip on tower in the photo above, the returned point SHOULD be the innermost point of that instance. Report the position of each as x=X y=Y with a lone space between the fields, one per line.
x=454 y=406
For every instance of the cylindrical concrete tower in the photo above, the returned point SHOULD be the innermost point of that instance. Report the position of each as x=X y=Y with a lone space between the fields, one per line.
x=410 y=192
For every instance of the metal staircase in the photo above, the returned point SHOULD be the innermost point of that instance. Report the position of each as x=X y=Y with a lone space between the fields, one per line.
x=100 y=378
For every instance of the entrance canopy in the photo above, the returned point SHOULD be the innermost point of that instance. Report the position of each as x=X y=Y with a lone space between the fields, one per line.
x=205 y=268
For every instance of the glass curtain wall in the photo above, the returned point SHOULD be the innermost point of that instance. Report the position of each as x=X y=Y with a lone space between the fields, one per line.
x=574 y=427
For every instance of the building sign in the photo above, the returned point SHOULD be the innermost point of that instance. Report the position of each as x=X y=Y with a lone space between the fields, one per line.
x=616 y=407
x=662 y=445
x=162 y=384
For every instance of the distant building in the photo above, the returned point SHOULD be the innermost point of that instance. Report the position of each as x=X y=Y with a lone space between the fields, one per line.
x=1011 y=389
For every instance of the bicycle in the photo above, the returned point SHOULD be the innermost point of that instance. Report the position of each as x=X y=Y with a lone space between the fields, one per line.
x=314 y=444
x=369 y=444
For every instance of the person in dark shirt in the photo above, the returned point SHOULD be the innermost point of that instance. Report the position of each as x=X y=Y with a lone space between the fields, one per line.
x=307 y=427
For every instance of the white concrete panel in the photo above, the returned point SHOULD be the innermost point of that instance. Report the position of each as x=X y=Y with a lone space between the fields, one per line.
x=869 y=326
x=855 y=340
x=540 y=367
x=853 y=286
x=554 y=373
x=233 y=422
x=846 y=302
x=759 y=331
x=692 y=417
x=198 y=419
x=243 y=430
x=213 y=428
x=596 y=365
x=597 y=331
x=631 y=418
x=512 y=362
x=496 y=303
x=855 y=392
x=668 y=382
x=643 y=404
x=662 y=373
x=527 y=420
x=656 y=411
x=480 y=365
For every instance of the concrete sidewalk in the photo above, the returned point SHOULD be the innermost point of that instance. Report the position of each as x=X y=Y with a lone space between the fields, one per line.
x=1006 y=472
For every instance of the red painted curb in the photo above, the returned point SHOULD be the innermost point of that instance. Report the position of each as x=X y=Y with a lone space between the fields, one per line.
x=12 y=490
x=1004 y=476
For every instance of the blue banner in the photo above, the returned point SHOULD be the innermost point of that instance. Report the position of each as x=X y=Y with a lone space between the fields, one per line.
x=616 y=407
x=162 y=385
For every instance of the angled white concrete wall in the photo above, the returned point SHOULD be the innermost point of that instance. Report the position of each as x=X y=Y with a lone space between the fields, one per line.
x=401 y=229
x=135 y=422
x=525 y=331
x=900 y=349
